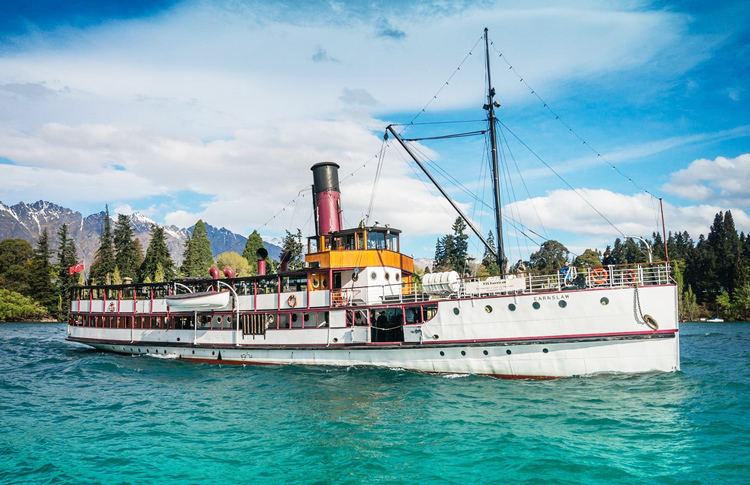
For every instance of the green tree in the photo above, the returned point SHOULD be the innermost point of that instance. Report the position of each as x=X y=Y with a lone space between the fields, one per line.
x=197 y=258
x=590 y=258
x=254 y=242
x=15 y=307
x=67 y=256
x=15 y=256
x=550 y=257
x=42 y=275
x=104 y=260
x=234 y=260
x=157 y=255
x=293 y=244
x=126 y=248
x=489 y=262
x=451 y=251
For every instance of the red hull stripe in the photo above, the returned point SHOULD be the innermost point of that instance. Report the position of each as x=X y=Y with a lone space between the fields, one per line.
x=391 y=345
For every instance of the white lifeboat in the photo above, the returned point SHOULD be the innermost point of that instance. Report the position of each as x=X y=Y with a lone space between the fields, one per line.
x=206 y=300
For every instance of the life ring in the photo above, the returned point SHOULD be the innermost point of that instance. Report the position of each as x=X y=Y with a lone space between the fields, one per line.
x=292 y=301
x=631 y=276
x=112 y=306
x=599 y=276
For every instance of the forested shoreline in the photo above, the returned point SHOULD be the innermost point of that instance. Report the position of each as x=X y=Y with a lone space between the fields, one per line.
x=713 y=274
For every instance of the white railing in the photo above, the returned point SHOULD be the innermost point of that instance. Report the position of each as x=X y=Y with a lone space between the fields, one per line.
x=523 y=283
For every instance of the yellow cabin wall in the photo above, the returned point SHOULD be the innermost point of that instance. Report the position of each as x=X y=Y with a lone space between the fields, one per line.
x=358 y=259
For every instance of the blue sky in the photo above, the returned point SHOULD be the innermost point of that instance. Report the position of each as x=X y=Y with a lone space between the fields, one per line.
x=216 y=110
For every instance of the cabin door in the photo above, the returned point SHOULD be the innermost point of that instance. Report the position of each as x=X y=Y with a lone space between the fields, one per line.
x=387 y=325
x=336 y=280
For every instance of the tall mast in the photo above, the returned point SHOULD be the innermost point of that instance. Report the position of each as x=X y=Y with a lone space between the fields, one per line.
x=490 y=107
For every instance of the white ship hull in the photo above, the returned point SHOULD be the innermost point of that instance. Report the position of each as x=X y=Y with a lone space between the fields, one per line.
x=580 y=336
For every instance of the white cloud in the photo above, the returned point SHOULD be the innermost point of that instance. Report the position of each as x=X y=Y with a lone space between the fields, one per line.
x=723 y=181
x=566 y=212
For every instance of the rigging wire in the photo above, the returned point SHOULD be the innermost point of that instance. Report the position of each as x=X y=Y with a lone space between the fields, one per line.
x=561 y=178
x=378 y=171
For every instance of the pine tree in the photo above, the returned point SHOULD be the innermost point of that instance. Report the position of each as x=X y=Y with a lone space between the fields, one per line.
x=67 y=256
x=157 y=254
x=15 y=255
x=126 y=250
x=293 y=244
x=550 y=257
x=489 y=261
x=41 y=275
x=254 y=242
x=197 y=258
x=459 y=252
x=104 y=260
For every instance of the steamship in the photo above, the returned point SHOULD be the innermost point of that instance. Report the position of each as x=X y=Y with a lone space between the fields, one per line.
x=357 y=302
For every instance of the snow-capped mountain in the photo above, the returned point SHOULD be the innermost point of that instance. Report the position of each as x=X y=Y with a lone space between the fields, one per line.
x=28 y=221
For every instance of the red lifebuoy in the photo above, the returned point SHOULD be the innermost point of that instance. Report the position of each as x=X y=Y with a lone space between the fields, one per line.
x=631 y=276
x=599 y=276
x=112 y=306
x=292 y=301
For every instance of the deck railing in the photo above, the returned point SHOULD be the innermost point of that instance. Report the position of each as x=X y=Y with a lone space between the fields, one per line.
x=644 y=274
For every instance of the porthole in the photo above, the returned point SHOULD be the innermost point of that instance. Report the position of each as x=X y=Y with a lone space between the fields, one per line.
x=604 y=301
x=229 y=321
x=545 y=350
x=294 y=317
x=508 y=352
x=563 y=303
x=536 y=305
x=512 y=307
x=307 y=317
x=397 y=276
x=456 y=311
x=442 y=353
x=387 y=275
x=193 y=352
x=486 y=353
x=463 y=352
x=488 y=309
x=315 y=283
x=178 y=339
x=335 y=340
x=218 y=319
x=373 y=275
x=213 y=353
x=324 y=283
x=435 y=337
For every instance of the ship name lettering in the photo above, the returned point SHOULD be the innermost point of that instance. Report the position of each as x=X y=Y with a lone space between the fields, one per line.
x=551 y=297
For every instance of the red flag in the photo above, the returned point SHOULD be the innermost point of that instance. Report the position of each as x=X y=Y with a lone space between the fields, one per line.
x=76 y=268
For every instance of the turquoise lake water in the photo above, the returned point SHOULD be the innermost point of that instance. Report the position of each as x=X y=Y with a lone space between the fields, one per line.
x=69 y=414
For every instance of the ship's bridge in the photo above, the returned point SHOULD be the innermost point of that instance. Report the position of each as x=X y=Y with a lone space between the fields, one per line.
x=358 y=248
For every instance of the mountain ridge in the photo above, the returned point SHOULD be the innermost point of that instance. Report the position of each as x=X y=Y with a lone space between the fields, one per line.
x=28 y=221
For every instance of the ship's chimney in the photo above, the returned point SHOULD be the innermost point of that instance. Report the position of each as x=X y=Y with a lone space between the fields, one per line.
x=326 y=198
x=261 y=254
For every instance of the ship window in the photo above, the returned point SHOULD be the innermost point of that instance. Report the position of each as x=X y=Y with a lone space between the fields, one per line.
x=393 y=242
x=360 y=240
x=604 y=301
x=512 y=307
x=375 y=240
x=228 y=322
x=373 y=275
x=349 y=242
x=563 y=303
x=488 y=309
x=315 y=282
x=268 y=284
x=324 y=284
x=413 y=314
x=312 y=245
x=429 y=311
x=398 y=276
x=387 y=276
x=310 y=320
x=294 y=283
x=536 y=305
